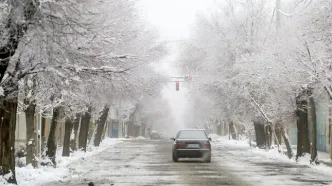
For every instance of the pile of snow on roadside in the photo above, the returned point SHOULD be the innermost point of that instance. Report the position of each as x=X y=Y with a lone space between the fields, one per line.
x=225 y=140
x=272 y=154
x=27 y=176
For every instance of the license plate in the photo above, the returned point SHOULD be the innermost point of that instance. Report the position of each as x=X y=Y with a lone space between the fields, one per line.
x=193 y=145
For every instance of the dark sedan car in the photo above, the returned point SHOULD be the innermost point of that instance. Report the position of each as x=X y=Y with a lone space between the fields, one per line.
x=191 y=143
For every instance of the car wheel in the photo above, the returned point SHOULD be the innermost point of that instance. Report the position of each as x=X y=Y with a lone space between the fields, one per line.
x=175 y=158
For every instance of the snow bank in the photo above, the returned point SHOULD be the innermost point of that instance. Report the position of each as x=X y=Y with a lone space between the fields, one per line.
x=90 y=151
x=28 y=176
x=214 y=136
x=225 y=140
x=305 y=160
x=140 y=137
x=271 y=154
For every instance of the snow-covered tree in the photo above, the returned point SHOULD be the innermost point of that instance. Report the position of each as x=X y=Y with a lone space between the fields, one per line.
x=82 y=54
x=260 y=59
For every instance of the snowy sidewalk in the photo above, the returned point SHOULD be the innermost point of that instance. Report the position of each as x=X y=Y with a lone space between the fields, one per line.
x=323 y=157
x=261 y=167
x=27 y=176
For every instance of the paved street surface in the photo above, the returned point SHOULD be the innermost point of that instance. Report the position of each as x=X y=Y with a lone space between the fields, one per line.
x=148 y=162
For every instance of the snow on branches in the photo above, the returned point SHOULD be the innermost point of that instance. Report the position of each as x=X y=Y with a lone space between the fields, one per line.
x=251 y=65
x=73 y=46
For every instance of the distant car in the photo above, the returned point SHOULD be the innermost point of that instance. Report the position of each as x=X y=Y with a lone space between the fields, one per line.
x=154 y=135
x=191 y=143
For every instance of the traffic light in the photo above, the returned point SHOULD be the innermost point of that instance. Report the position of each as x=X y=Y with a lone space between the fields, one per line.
x=177 y=85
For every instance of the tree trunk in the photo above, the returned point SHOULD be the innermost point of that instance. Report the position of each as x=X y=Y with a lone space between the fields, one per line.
x=2 y=130
x=66 y=140
x=8 y=110
x=278 y=132
x=91 y=139
x=303 y=145
x=131 y=128
x=7 y=140
x=101 y=125
x=91 y=131
x=103 y=136
x=225 y=130
x=76 y=124
x=330 y=139
x=276 y=140
x=219 y=129
x=52 y=138
x=268 y=136
x=232 y=130
x=260 y=134
x=84 y=130
x=137 y=128
x=249 y=137
x=142 y=129
x=43 y=135
x=313 y=125
x=287 y=143
x=31 y=135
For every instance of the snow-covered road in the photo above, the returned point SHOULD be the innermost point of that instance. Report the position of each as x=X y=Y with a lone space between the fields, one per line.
x=148 y=162
x=144 y=162
x=259 y=167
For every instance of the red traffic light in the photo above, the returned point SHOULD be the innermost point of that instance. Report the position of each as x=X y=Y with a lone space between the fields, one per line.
x=177 y=85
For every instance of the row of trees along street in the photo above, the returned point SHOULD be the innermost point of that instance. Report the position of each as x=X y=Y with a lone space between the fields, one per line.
x=263 y=69
x=72 y=61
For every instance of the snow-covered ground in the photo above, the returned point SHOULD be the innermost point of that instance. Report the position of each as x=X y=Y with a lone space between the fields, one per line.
x=271 y=167
x=140 y=137
x=273 y=153
x=148 y=162
x=28 y=176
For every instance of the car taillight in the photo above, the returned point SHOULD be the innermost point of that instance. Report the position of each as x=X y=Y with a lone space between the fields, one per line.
x=207 y=145
x=179 y=144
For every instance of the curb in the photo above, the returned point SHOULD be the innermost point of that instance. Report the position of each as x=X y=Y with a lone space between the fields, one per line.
x=327 y=163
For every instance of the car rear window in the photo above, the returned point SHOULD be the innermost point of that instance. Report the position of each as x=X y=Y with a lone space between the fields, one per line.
x=192 y=134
